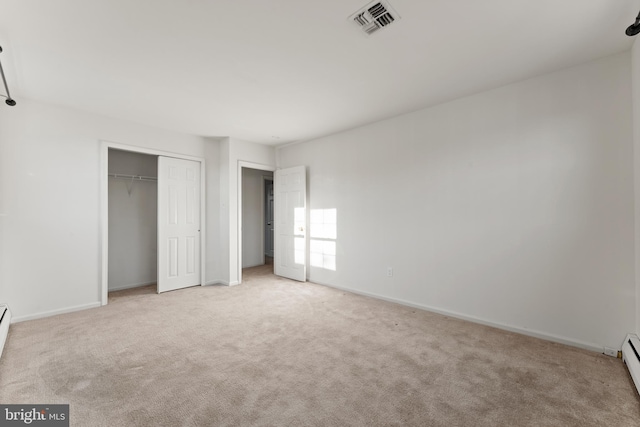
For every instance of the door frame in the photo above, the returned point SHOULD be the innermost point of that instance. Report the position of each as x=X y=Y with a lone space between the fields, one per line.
x=103 y=279
x=249 y=165
x=266 y=179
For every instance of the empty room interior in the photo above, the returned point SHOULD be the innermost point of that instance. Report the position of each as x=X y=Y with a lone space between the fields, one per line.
x=275 y=212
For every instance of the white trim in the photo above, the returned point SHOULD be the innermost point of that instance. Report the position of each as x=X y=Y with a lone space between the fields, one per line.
x=56 y=312
x=152 y=151
x=248 y=165
x=104 y=223
x=478 y=320
x=264 y=214
x=221 y=282
x=104 y=208
x=203 y=222
x=5 y=314
x=131 y=286
x=254 y=265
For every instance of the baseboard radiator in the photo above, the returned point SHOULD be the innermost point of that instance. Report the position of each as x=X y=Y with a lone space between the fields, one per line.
x=631 y=356
x=5 y=320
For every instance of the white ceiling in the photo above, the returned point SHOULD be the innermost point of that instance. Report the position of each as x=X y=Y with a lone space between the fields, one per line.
x=275 y=71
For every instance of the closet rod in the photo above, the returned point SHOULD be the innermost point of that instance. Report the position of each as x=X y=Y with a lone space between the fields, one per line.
x=133 y=177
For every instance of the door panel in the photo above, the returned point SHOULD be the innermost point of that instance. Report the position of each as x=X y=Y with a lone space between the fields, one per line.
x=173 y=257
x=178 y=223
x=290 y=223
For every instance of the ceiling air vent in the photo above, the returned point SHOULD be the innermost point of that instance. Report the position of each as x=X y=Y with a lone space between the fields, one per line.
x=374 y=16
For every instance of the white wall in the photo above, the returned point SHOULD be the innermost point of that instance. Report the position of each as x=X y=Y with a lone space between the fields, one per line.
x=224 y=166
x=635 y=68
x=512 y=207
x=49 y=203
x=133 y=224
x=253 y=216
x=232 y=152
x=215 y=264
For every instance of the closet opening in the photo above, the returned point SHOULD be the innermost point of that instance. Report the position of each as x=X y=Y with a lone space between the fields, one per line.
x=132 y=222
x=164 y=196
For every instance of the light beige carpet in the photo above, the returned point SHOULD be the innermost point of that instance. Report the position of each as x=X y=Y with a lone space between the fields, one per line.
x=274 y=352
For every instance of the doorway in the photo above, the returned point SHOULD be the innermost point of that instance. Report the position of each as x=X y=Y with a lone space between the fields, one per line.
x=289 y=220
x=257 y=217
x=255 y=204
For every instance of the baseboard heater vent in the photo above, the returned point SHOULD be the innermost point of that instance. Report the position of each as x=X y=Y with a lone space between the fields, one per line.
x=5 y=320
x=631 y=356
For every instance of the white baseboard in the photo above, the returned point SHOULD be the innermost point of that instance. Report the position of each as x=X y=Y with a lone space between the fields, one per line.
x=528 y=332
x=123 y=287
x=56 y=312
x=5 y=315
x=221 y=282
x=253 y=265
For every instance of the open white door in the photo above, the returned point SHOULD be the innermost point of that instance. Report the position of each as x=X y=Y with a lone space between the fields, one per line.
x=291 y=223
x=178 y=223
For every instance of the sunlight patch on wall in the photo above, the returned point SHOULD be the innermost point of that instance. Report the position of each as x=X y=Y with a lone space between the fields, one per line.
x=324 y=223
x=324 y=232
x=323 y=254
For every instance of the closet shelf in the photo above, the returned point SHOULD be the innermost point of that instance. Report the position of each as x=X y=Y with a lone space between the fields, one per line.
x=132 y=177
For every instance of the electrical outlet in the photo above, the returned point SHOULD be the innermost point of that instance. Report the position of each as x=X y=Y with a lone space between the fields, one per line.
x=611 y=352
x=389 y=271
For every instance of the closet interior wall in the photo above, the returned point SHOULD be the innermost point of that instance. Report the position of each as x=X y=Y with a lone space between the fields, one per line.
x=133 y=242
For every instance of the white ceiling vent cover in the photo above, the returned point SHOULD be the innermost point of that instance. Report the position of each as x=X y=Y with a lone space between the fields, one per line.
x=374 y=16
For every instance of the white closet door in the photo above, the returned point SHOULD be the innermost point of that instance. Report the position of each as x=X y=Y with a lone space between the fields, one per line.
x=178 y=223
x=291 y=223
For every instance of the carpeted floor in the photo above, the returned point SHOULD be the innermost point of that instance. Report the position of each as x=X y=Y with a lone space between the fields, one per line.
x=274 y=352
